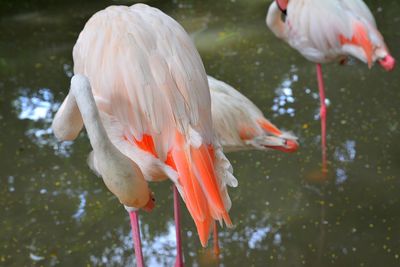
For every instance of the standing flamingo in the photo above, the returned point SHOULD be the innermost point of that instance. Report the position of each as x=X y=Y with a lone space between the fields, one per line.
x=151 y=91
x=329 y=30
x=240 y=125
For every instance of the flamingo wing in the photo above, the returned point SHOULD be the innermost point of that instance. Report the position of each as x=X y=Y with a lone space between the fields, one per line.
x=314 y=28
x=360 y=9
x=152 y=80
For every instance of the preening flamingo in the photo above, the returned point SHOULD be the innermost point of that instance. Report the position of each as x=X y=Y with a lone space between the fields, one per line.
x=151 y=91
x=240 y=124
x=329 y=30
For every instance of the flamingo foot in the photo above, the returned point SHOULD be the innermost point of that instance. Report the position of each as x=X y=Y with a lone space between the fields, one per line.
x=134 y=216
x=177 y=215
x=217 y=250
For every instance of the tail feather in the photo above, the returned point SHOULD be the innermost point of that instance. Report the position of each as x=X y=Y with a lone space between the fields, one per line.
x=194 y=199
x=198 y=185
x=204 y=170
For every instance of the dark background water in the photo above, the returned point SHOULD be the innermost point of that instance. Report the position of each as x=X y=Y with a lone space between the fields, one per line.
x=55 y=212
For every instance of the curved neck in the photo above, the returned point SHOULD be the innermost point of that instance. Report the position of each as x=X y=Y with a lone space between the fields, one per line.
x=121 y=175
x=67 y=122
x=275 y=22
x=81 y=92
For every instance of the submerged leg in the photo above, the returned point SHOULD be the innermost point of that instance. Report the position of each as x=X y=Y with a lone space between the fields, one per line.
x=323 y=116
x=177 y=215
x=136 y=238
x=216 y=242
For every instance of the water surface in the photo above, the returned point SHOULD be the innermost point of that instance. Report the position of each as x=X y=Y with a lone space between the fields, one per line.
x=56 y=212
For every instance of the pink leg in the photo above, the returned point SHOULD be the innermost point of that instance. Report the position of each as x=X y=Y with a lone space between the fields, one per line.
x=136 y=237
x=323 y=116
x=177 y=214
x=216 y=242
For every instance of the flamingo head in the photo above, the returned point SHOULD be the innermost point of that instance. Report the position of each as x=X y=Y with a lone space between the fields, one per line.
x=282 y=4
x=276 y=139
x=150 y=204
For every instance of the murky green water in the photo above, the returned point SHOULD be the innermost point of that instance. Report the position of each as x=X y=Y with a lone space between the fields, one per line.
x=55 y=212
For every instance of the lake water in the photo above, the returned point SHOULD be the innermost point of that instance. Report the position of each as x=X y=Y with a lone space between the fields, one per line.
x=55 y=212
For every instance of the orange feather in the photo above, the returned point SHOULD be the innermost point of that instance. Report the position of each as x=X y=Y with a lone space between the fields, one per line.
x=360 y=38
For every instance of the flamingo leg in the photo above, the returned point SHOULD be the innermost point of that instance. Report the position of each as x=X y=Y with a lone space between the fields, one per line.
x=177 y=215
x=323 y=112
x=216 y=242
x=134 y=216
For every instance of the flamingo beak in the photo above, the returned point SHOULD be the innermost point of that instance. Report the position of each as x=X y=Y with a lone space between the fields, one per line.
x=289 y=146
x=150 y=204
x=282 y=4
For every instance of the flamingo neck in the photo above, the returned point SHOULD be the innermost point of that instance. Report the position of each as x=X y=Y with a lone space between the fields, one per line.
x=81 y=93
x=68 y=114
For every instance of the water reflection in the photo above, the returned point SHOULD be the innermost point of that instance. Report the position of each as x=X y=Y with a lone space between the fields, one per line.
x=36 y=257
x=36 y=107
x=81 y=209
x=344 y=155
x=347 y=152
x=68 y=70
x=284 y=99
x=258 y=236
x=157 y=250
x=11 y=187
x=40 y=107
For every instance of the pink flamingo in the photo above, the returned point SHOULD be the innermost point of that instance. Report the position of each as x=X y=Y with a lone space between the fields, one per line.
x=240 y=125
x=329 y=30
x=154 y=111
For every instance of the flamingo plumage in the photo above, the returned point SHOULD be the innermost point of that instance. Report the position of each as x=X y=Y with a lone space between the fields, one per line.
x=151 y=90
x=241 y=125
x=326 y=31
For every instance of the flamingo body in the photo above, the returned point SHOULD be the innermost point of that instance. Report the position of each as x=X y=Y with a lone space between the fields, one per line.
x=240 y=124
x=151 y=90
x=325 y=31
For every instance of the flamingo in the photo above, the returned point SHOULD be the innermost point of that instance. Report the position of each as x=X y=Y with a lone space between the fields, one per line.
x=240 y=124
x=151 y=92
x=326 y=31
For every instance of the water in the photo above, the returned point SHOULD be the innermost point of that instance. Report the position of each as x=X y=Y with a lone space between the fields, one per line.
x=55 y=212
